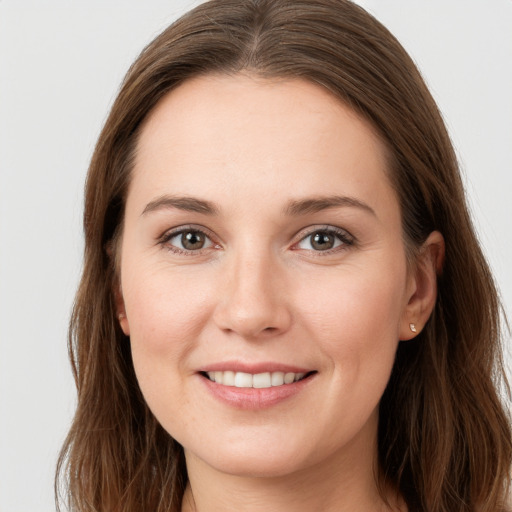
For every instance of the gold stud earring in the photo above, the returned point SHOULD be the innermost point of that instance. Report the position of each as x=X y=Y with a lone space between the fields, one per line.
x=120 y=316
x=412 y=327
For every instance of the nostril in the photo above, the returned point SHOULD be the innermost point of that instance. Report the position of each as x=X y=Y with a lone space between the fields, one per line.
x=252 y=316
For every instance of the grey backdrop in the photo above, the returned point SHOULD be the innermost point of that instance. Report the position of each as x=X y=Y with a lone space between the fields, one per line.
x=60 y=66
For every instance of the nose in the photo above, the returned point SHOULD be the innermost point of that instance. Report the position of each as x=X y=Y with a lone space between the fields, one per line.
x=252 y=299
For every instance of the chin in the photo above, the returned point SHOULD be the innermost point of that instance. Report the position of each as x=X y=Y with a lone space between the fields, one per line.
x=260 y=461
x=258 y=467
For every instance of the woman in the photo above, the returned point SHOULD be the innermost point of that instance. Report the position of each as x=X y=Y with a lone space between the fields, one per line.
x=283 y=303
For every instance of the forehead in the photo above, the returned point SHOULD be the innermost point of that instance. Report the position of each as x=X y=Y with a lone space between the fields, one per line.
x=288 y=136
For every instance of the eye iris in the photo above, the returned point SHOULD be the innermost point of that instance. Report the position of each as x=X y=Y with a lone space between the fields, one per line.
x=192 y=240
x=322 y=241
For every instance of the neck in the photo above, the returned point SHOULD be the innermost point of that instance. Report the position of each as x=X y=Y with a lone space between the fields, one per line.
x=345 y=482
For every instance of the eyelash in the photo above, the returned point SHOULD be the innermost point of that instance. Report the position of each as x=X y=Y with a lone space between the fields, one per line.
x=169 y=235
x=344 y=237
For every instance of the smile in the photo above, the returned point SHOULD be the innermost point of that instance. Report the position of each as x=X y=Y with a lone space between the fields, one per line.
x=258 y=380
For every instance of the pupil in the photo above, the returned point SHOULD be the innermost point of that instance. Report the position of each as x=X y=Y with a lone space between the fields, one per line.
x=323 y=241
x=192 y=240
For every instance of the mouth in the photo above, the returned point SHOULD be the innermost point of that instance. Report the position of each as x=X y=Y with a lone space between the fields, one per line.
x=256 y=380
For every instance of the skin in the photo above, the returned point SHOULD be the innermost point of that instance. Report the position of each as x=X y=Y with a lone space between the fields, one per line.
x=260 y=291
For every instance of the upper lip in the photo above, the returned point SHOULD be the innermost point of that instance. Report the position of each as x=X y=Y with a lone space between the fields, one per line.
x=253 y=368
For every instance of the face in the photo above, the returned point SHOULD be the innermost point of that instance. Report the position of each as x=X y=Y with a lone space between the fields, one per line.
x=263 y=274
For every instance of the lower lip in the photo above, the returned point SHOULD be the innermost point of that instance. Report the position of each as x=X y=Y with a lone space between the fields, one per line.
x=255 y=398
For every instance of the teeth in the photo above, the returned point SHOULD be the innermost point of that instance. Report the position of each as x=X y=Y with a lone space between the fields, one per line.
x=262 y=380
x=277 y=379
x=242 y=380
x=259 y=380
x=289 y=378
x=228 y=378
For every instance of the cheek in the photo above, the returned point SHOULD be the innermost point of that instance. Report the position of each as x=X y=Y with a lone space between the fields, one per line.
x=169 y=303
x=354 y=323
x=167 y=310
x=166 y=314
x=355 y=318
x=356 y=301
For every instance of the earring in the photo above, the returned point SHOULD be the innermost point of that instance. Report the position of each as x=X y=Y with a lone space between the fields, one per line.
x=412 y=327
x=120 y=316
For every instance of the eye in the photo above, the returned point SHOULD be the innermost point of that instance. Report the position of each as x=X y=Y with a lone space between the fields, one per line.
x=325 y=240
x=187 y=240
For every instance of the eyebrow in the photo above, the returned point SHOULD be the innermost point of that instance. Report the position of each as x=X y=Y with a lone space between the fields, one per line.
x=187 y=204
x=317 y=204
x=294 y=208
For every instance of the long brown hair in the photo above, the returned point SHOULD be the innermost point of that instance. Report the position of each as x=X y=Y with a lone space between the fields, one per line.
x=444 y=437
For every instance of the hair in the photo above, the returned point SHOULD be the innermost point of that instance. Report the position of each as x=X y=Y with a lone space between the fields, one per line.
x=444 y=438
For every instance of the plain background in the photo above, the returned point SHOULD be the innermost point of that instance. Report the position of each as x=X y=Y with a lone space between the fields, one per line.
x=61 y=63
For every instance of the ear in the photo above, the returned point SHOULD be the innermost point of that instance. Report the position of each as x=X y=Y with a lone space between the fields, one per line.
x=118 y=292
x=422 y=286
x=121 y=310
